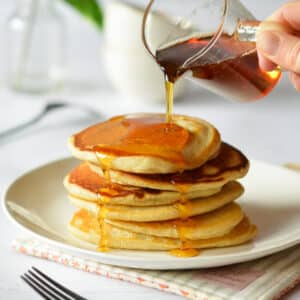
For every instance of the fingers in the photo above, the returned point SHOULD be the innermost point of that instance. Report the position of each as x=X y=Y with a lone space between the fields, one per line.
x=289 y=14
x=295 y=79
x=265 y=64
x=281 y=48
x=287 y=18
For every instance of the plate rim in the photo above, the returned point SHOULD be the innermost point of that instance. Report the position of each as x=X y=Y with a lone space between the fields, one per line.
x=136 y=262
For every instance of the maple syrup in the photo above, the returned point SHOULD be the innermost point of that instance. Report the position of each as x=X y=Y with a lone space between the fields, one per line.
x=169 y=99
x=184 y=212
x=183 y=225
x=148 y=135
x=104 y=235
x=238 y=78
x=184 y=252
x=105 y=189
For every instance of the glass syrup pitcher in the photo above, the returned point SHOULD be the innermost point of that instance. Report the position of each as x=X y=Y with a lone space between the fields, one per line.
x=211 y=42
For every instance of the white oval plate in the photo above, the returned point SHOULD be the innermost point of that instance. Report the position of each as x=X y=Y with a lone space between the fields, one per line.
x=37 y=203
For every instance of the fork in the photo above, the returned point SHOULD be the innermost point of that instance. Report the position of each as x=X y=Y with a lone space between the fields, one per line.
x=48 y=288
x=49 y=107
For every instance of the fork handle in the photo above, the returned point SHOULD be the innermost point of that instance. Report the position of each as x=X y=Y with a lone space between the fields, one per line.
x=21 y=127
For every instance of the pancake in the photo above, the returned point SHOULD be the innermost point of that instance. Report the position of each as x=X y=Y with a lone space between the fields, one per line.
x=147 y=144
x=84 y=184
x=184 y=210
x=213 y=224
x=84 y=226
x=229 y=165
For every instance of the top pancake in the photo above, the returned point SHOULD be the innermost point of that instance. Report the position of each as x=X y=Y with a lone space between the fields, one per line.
x=229 y=165
x=145 y=143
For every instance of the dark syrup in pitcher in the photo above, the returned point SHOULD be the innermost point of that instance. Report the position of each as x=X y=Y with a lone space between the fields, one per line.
x=238 y=78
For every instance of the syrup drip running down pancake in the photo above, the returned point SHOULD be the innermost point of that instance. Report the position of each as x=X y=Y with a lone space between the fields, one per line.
x=147 y=144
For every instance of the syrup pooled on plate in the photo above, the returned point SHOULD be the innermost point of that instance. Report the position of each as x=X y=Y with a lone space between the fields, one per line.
x=184 y=253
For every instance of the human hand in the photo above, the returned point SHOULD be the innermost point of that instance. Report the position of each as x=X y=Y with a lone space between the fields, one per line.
x=281 y=46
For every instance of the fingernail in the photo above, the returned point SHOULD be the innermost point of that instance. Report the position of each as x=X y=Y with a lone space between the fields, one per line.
x=268 y=42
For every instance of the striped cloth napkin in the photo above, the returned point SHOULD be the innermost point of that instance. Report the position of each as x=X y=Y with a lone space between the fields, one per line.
x=267 y=278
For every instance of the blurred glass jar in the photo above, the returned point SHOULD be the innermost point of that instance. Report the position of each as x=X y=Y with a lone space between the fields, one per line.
x=35 y=47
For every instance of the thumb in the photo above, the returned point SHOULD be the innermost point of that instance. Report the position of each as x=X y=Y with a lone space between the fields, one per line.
x=280 y=47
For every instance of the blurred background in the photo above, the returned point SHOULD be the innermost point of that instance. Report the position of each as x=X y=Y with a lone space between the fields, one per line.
x=85 y=42
x=105 y=71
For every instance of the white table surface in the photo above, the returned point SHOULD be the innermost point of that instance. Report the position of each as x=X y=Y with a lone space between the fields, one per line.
x=266 y=130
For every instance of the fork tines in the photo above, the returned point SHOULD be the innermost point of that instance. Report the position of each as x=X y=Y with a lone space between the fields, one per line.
x=48 y=288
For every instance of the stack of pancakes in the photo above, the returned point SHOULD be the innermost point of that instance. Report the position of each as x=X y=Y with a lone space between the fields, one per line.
x=150 y=185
